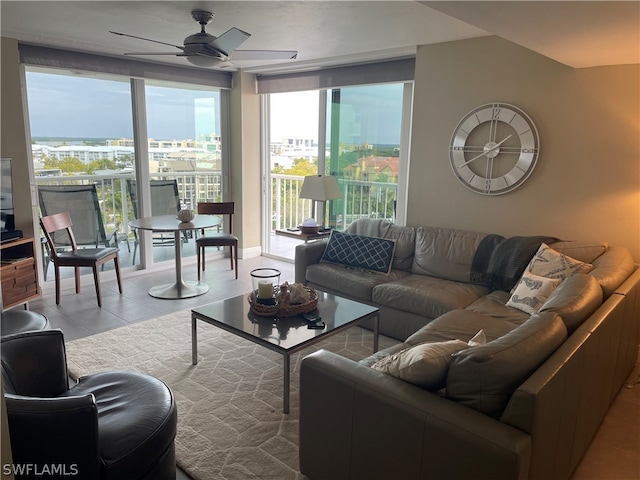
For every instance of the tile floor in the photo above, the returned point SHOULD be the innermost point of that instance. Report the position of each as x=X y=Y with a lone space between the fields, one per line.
x=613 y=455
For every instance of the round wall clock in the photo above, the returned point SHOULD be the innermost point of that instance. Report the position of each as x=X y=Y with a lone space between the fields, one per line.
x=494 y=148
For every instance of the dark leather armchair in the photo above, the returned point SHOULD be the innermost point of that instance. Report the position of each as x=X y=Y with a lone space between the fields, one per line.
x=110 y=425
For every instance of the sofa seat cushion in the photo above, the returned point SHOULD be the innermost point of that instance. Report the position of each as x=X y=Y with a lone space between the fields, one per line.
x=484 y=377
x=494 y=305
x=462 y=325
x=355 y=282
x=426 y=296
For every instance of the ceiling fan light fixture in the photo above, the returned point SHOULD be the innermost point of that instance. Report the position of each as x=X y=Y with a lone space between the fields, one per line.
x=203 y=61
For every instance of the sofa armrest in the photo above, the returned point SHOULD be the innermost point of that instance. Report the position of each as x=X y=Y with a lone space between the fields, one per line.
x=372 y=425
x=307 y=254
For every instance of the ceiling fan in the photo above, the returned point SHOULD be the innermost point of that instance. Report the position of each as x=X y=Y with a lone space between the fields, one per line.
x=205 y=50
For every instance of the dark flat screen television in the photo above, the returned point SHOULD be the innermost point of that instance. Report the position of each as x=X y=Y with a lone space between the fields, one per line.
x=7 y=213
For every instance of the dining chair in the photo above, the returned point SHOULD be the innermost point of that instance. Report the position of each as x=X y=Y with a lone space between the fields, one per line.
x=219 y=239
x=83 y=205
x=76 y=257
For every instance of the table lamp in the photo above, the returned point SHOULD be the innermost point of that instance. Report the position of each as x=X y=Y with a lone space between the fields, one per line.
x=320 y=188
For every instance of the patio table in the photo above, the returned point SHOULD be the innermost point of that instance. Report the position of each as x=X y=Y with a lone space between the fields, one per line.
x=170 y=223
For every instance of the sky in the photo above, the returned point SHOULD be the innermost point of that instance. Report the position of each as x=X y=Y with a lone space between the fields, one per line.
x=89 y=107
x=73 y=106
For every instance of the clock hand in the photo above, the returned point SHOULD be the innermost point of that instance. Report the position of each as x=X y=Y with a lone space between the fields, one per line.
x=487 y=152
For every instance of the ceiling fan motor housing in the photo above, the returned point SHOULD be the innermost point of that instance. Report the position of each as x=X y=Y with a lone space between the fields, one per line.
x=202 y=17
x=199 y=38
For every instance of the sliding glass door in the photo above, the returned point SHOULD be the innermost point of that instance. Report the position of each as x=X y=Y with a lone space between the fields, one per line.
x=360 y=135
x=293 y=153
x=364 y=137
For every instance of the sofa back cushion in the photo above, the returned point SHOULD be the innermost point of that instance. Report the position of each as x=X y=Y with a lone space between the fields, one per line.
x=611 y=264
x=445 y=252
x=612 y=268
x=405 y=238
x=585 y=251
x=575 y=300
x=484 y=377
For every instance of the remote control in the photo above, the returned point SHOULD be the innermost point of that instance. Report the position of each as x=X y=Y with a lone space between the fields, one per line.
x=316 y=325
x=311 y=317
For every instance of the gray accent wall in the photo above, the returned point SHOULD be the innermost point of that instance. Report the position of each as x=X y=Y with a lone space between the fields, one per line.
x=586 y=184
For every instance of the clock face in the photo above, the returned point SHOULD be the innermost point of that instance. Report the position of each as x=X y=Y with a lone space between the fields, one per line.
x=494 y=149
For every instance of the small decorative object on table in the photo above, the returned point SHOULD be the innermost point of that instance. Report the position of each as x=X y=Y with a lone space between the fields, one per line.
x=309 y=226
x=265 y=283
x=290 y=300
x=185 y=215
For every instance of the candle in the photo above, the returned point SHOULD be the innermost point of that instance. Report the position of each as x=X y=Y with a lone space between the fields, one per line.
x=265 y=289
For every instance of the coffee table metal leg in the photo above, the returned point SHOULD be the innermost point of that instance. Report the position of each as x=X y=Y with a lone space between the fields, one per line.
x=285 y=406
x=194 y=341
x=376 y=332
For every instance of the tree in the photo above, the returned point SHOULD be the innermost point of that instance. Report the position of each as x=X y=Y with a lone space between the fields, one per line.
x=102 y=164
x=301 y=166
x=66 y=165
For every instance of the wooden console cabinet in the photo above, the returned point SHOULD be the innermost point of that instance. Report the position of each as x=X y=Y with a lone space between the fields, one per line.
x=19 y=272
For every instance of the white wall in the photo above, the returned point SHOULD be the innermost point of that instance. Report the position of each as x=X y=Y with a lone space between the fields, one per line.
x=586 y=184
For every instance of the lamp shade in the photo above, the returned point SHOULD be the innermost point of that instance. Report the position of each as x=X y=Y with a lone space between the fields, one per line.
x=320 y=188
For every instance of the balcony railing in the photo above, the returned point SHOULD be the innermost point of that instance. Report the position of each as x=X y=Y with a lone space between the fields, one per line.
x=359 y=198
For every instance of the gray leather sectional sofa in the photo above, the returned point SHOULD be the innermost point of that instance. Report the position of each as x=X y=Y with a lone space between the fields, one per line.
x=526 y=404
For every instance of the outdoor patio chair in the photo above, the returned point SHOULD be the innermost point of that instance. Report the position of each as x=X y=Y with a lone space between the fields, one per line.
x=164 y=201
x=83 y=206
x=52 y=226
x=219 y=239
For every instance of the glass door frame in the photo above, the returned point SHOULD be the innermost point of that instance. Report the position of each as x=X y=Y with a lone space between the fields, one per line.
x=403 y=176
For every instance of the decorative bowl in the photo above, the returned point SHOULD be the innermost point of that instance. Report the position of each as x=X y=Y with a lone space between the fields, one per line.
x=185 y=215
x=309 y=229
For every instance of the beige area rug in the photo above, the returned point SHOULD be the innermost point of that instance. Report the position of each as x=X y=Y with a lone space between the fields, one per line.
x=230 y=420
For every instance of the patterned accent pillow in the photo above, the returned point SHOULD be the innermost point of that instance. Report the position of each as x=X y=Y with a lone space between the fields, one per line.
x=531 y=292
x=550 y=263
x=426 y=364
x=369 y=253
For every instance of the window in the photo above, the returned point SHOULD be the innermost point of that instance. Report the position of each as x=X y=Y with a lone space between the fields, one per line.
x=183 y=124
x=364 y=134
x=82 y=132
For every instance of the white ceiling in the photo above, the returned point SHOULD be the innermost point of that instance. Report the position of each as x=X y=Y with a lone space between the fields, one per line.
x=576 y=33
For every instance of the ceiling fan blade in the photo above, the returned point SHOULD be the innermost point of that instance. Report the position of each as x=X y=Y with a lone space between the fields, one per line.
x=264 y=54
x=229 y=40
x=152 y=53
x=146 y=39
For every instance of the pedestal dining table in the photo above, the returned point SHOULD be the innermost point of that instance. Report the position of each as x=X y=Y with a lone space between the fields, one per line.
x=170 y=223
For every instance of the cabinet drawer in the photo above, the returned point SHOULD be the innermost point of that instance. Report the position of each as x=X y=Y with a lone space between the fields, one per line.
x=19 y=272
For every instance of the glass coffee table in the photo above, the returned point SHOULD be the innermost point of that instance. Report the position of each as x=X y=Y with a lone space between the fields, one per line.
x=285 y=335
